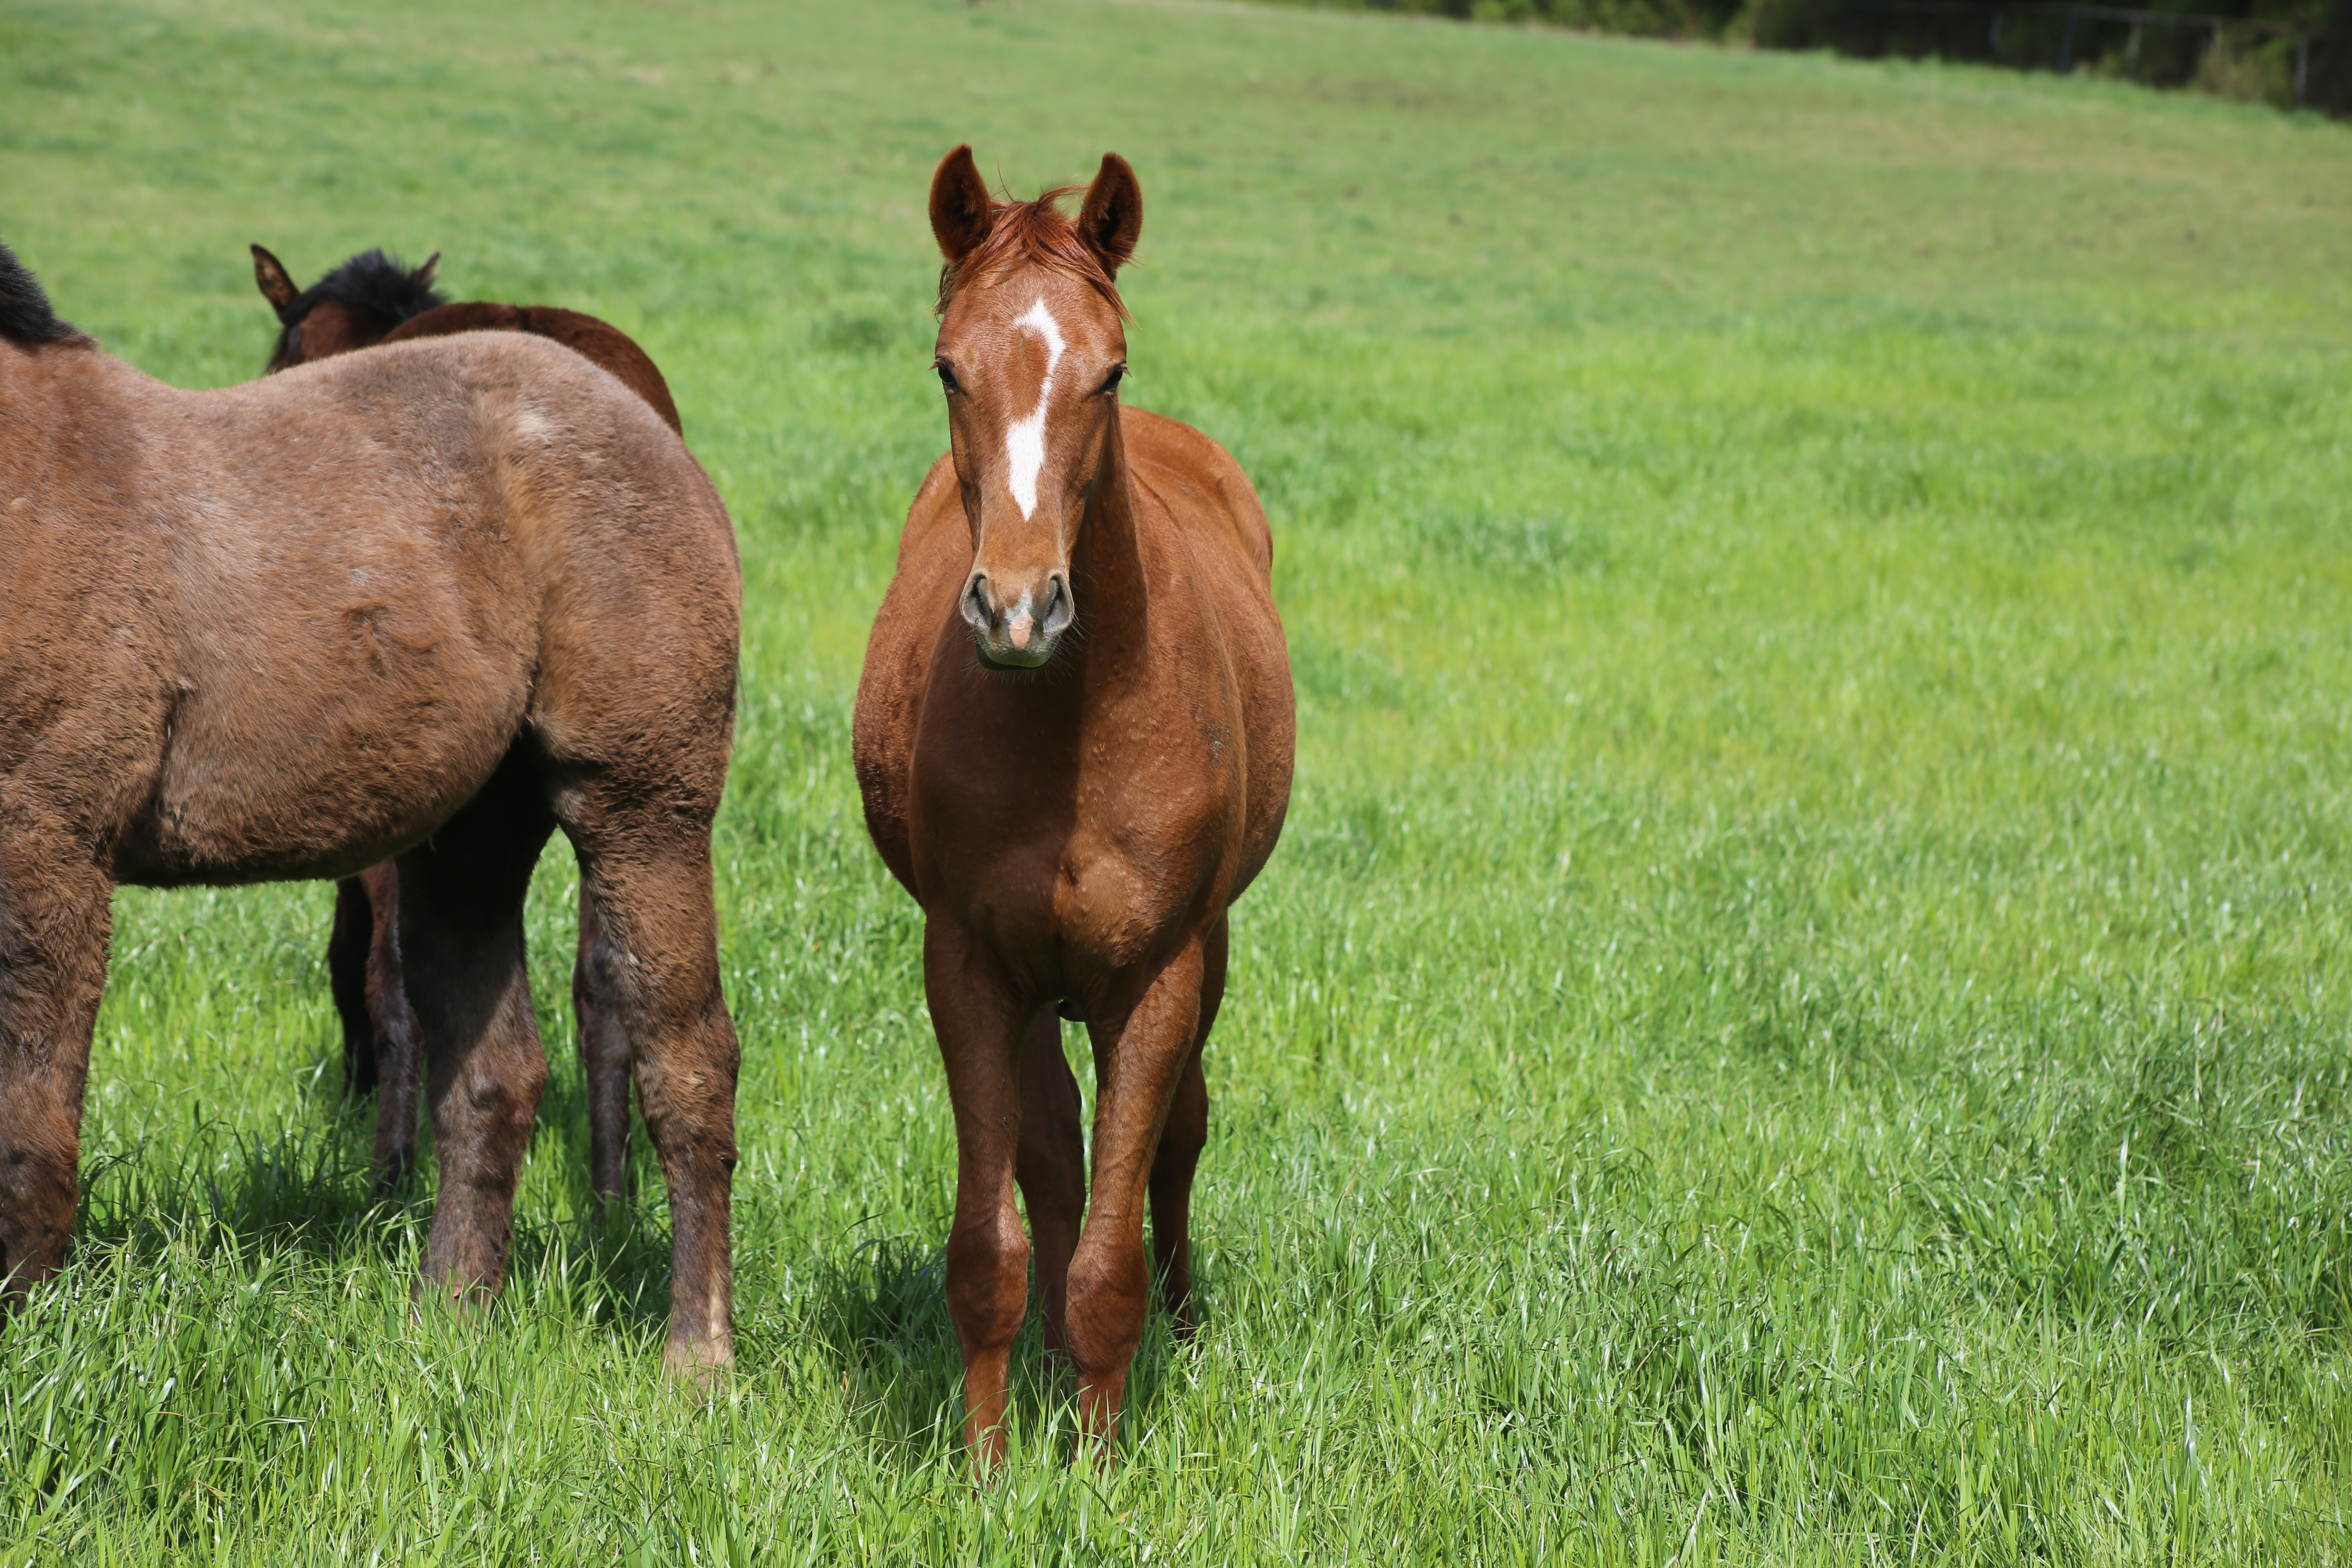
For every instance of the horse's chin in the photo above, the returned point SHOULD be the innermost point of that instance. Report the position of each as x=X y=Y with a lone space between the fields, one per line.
x=1016 y=661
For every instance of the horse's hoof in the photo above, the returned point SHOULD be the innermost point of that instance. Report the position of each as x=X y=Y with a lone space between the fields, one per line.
x=700 y=1366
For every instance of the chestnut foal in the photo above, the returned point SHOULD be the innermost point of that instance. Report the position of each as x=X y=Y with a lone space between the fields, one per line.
x=1074 y=740
x=430 y=602
x=372 y=299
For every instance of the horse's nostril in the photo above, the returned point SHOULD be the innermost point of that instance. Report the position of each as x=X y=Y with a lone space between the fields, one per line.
x=1059 y=606
x=975 y=600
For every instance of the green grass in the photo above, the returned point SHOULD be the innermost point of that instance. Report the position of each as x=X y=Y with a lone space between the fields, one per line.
x=1801 y=1015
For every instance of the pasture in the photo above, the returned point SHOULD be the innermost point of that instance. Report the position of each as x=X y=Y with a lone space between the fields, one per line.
x=1801 y=1013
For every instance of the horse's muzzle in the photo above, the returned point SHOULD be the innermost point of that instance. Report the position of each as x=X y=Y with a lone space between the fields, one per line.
x=1019 y=630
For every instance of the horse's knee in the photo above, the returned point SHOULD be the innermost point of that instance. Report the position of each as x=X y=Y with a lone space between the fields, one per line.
x=988 y=1281
x=1107 y=1290
x=507 y=1093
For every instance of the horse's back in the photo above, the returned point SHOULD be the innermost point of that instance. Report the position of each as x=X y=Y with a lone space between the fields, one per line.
x=598 y=341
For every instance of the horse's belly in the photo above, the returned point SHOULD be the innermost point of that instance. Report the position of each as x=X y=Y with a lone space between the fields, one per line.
x=320 y=758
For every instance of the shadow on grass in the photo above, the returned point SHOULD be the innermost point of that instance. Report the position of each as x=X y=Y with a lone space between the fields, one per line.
x=311 y=1190
x=880 y=1316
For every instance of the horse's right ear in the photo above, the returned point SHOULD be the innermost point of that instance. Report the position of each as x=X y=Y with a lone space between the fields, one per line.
x=269 y=276
x=1111 y=221
x=423 y=276
x=961 y=213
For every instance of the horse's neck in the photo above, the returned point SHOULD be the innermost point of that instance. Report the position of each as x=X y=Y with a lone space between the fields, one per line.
x=1113 y=586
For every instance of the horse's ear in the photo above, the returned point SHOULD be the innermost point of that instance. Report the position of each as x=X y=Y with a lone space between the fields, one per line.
x=1112 y=220
x=423 y=276
x=269 y=276
x=961 y=213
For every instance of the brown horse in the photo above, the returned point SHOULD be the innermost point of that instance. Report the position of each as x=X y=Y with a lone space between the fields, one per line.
x=1074 y=739
x=431 y=602
x=372 y=299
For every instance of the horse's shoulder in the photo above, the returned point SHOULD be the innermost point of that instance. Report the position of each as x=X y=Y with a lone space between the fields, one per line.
x=928 y=557
x=1172 y=458
x=897 y=663
x=938 y=508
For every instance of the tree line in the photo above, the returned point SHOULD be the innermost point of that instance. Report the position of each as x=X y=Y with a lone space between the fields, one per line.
x=2248 y=62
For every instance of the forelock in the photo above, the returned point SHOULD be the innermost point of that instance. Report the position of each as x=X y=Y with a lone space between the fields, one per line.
x=1037 y=234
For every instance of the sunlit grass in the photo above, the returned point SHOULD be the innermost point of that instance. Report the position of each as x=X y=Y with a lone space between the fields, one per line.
x=1801 y=1015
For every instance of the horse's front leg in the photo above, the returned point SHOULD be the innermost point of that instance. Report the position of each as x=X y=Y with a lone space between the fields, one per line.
x=1052 y=1167
x=1182 y=1138
x=461 y=944
x=980 y=1023
x=1139 y=1067
x=54 y=921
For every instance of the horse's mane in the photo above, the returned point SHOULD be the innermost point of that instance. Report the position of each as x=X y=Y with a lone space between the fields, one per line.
x=371 y=281
x=24 y=313
x=1036 y=232
x=374 y=282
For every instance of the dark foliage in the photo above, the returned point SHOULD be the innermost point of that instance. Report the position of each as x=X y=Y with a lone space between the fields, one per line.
x=1644 y=18
x=2236 y=62
x=24 y=313
x=2233 y=61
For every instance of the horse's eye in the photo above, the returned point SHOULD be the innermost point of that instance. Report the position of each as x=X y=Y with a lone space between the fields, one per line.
x=1110 y=381
x=947 y=376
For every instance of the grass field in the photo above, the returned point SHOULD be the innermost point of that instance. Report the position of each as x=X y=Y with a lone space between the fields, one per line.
x=1801 y=1015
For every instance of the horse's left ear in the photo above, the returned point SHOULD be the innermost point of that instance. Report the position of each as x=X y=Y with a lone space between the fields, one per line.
x=1112 y=219
x=269 y=277
x=423 y=276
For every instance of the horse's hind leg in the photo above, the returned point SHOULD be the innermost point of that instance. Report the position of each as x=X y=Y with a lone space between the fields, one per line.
x=399 y=1063
x=348 y=941
x=646 y=860
x=1051 y=1167
x=603 y=1054
x=1180 y=1142
x=461 y=904
x=54 y=925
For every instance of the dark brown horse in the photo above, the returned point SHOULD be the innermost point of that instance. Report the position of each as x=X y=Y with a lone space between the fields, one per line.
x=430 y=603
x=373 y=299
x=1074 y=739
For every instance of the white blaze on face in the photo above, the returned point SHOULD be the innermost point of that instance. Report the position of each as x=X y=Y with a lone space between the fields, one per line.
x=1025 y=439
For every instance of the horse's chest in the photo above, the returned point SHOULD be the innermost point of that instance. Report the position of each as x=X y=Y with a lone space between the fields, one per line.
x=1096 y=859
